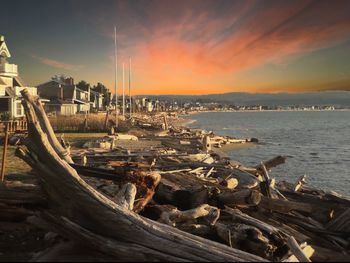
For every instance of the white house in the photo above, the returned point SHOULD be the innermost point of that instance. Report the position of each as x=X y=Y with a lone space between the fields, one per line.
x=10 y=85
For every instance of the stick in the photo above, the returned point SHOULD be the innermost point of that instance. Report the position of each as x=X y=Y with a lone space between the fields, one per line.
x=296 y=250
x=4 y=152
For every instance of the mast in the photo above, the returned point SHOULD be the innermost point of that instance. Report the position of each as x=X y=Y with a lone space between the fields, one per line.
x=116 y=77
x=130 y=87
x=123 y=92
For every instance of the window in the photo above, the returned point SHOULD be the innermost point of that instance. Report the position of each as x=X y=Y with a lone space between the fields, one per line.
x=18 y=109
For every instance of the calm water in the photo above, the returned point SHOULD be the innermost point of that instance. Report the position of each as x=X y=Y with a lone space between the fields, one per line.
x=316 y=143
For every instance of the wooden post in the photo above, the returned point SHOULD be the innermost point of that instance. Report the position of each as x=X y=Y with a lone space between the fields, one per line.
x=4 y=152
x=106 y=120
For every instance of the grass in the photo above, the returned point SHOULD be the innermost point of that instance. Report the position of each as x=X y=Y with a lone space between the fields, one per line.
x=77 y=139
x=13 y=164
x=94 y=122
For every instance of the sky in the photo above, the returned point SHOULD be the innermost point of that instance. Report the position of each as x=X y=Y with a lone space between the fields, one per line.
x=183 y=47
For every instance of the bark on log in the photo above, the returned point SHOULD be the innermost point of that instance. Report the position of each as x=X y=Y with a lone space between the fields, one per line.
x=240 y=198
x=81 y=204
x=284 y=206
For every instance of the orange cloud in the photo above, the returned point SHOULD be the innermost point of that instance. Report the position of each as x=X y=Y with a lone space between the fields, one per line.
x=200 y=47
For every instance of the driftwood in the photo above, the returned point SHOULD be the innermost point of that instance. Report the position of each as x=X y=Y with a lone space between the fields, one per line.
x=297 y=251
x=240 y=198
x=46 y=126
x=173 y=216
x=86 y=209
x=341 y=223
x=285 y=206
x=247 y=237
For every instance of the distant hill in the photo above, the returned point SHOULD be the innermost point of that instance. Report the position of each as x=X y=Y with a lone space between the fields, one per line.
x=336 y=98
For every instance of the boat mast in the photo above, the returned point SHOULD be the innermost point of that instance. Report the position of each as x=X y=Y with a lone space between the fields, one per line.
x=123 y=92
x=116 y=77
x=130 y=87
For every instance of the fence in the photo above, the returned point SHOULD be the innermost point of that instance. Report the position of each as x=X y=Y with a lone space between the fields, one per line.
x=15 y=126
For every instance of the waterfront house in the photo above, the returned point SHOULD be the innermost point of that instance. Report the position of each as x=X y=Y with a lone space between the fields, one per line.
x=11 y=85
x=65 y=97
x=96 y=101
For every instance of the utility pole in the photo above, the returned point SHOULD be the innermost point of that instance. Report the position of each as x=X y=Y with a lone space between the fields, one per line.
x=130 y=87
x=123 y=92
x=116 y=76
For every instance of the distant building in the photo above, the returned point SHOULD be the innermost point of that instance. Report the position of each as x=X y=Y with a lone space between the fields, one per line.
x=11 y=85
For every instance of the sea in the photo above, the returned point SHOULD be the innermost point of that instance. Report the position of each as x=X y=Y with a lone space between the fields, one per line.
x=316 y=143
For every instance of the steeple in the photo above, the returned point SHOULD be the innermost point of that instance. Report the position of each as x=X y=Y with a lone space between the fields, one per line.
x=6 y=69
x=4 y=52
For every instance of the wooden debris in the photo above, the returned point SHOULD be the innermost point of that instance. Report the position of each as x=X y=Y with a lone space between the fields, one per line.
x=176 y=201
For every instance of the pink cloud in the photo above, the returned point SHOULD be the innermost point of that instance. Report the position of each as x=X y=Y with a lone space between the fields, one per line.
x=57 y=64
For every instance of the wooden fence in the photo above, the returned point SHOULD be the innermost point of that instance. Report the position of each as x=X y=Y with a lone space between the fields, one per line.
x=15 y=126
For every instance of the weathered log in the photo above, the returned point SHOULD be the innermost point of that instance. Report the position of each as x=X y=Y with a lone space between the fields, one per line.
x=197 y=229
x=284 y=206
x=46 y=126
x=230 y=183
x=240 y=217
x=341 y=223
x=22 y=197
x=173 y=216
x=126 y=196
x=245 y=237
x=13 y=213
x=74 y=198
x=240 y=198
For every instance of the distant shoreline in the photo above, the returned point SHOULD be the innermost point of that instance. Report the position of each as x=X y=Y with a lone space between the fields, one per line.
x=208 y=111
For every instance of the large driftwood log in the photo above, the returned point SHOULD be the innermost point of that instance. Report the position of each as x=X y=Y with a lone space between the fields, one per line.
x=46 y=126
x=74 y=199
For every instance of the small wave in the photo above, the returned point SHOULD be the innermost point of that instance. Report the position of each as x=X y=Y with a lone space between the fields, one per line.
x=191 y=121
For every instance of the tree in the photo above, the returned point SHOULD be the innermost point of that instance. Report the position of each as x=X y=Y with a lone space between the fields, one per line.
x=100 y=88
x=83 y=85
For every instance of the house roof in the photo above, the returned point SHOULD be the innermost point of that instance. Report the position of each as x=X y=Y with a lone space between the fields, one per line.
x=59 y=101
x=51 y=90
x=18 y=81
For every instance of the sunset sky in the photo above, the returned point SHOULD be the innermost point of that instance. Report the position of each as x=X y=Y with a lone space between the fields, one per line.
x=184 y=47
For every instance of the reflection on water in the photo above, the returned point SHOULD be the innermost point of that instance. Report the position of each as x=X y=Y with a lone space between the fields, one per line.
x=317 y=143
